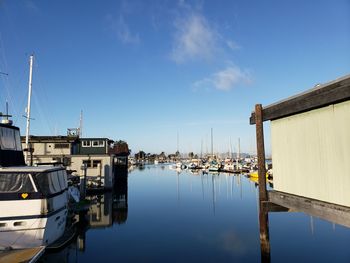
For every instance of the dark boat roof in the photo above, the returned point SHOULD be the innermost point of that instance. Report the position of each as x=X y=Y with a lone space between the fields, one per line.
x=9 y=126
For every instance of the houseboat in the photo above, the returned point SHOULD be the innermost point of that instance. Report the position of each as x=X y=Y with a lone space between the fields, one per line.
x=74 y=153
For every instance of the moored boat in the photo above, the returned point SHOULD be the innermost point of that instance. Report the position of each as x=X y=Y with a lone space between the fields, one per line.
x=33 y=199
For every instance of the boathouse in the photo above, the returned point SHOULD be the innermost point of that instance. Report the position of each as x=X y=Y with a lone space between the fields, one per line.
x=310 y=142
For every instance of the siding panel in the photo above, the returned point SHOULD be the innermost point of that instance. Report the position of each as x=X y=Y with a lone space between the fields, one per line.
x=311 y=154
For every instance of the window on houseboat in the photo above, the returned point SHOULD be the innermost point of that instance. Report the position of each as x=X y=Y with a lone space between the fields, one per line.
x=86 y=143
x=87 y=163
x=95 y=163
x=98 y=143
x=61 y=145
x=15 y=183
x=49 y=183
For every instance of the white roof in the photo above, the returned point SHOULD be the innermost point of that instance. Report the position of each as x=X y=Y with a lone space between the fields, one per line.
x=30 y=169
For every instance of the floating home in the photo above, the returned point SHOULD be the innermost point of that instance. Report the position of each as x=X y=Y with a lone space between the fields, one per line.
x=75 y=152
x=310 y=146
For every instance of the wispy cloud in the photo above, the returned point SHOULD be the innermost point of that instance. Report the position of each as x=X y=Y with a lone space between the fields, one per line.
x=194 y=39
x=122 y=30
x=225 y=79
x=232 y=44
x=124 y=33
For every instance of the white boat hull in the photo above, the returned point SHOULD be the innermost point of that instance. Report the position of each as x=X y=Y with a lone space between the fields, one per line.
x=32 y=222
x=20 y=233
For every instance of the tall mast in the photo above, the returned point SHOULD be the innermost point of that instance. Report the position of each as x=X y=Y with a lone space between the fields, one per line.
x=238 y=153
x=201 y=148
x=177 y=147
x=212 y=150
x=28 y=106
x=81 y=124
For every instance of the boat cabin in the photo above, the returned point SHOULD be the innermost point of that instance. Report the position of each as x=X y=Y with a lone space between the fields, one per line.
x=30 y=182
x=10 y=146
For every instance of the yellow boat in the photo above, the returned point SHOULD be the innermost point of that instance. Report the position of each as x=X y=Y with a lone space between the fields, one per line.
x=255 y=175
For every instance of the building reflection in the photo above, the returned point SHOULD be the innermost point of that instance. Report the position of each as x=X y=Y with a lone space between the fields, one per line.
x=120 y=199
x=106 y=209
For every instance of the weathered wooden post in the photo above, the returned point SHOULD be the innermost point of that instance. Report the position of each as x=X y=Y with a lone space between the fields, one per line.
x=261 y=152
x=263 y=212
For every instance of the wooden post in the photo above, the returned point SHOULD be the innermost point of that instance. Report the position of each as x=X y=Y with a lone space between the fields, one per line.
x=261 y=152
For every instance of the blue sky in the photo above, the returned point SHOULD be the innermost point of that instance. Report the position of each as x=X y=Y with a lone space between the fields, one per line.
x=145 y=71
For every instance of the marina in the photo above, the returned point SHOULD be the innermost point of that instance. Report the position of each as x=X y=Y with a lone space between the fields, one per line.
x=208 y=132
x=209 y=208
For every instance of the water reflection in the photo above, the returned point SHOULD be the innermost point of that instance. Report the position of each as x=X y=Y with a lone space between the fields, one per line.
x=103 y=212
x=291 y=206
x=264 y=233
x=179 y=216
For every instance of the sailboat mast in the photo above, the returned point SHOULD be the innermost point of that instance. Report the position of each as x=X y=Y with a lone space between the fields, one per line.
x=212 y=150
x=238 y=153
x=31 y=59
x=81 y=124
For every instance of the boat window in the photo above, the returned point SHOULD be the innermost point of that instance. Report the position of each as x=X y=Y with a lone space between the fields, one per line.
x=62 y=179
x=55 y=183
x=49 y=182
x=15 y=183
x=7 y=138
x=18 y=141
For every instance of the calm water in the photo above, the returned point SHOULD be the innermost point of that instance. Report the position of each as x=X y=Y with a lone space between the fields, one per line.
x=183 y=217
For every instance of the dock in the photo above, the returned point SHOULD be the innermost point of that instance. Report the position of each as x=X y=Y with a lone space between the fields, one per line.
x=28 y=255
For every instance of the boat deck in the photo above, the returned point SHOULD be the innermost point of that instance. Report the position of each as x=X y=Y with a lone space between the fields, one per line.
x=22 y=255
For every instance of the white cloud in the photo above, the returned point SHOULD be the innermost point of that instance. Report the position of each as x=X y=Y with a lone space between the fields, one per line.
x=194 y=39
x=232 y=45
x=224 y=80
x=122 y=30
x=124 y=33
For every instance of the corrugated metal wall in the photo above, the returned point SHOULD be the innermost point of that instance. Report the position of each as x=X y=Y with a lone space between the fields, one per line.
x=311 y=154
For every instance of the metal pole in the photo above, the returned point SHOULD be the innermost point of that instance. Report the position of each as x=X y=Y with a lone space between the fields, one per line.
x=83 y=182
x=261 y=152
x=28 y=106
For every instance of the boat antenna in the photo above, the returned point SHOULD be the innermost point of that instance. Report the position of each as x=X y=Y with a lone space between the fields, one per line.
x=31 y=59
